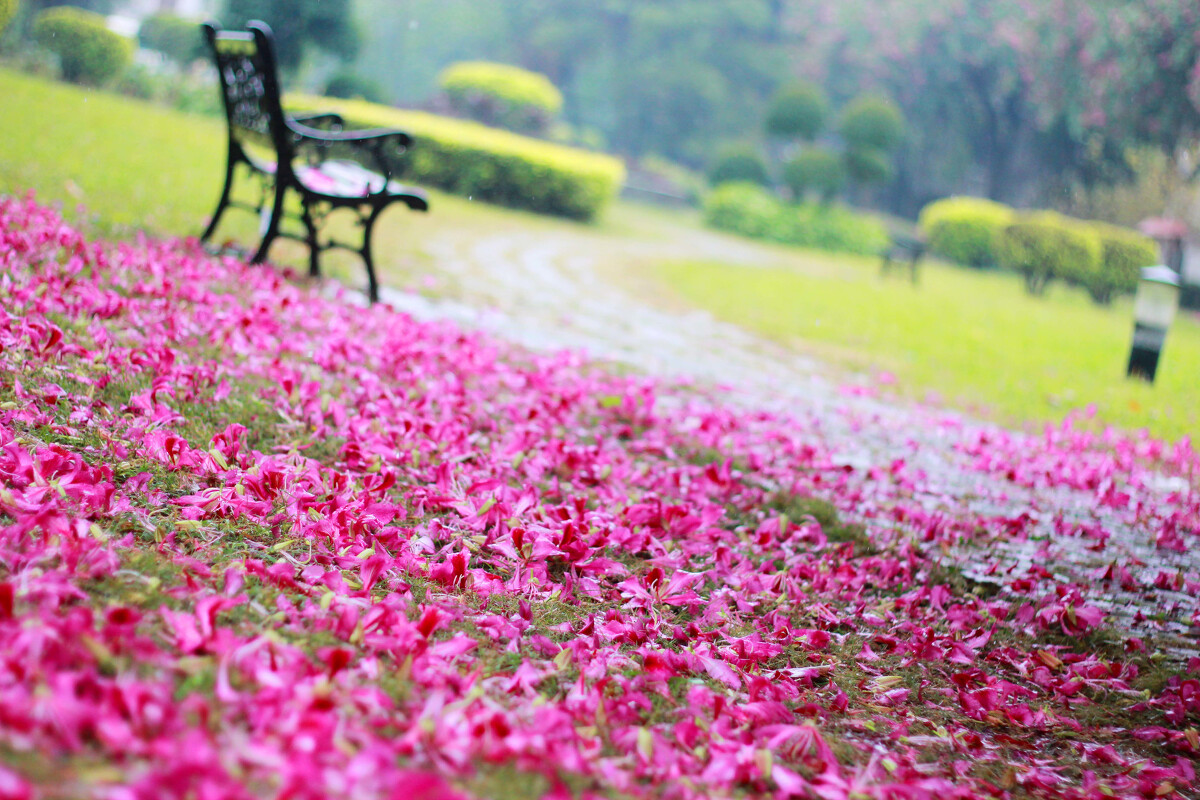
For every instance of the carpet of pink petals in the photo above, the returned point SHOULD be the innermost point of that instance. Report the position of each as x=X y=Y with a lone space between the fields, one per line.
x=503 y=574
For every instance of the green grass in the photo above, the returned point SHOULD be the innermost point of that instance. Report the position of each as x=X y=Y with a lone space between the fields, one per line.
x=975 y=338
x=134 y=165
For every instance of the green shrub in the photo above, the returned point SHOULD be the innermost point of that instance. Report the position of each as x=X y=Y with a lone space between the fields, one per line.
x=742 y=207
x=750 y=210
x=965 y=230
x=88 y=52
x=501 y=95
x=797 y=110
x=738 y=163
x=182 y=90
x=8 y=10
x=349 y=85
x=871 y=122
x=490 y=165
x=175 y=37
x=1044 y=246
x=1123 y=253
x=833 y=228
x=867 y=165
x=816 y=170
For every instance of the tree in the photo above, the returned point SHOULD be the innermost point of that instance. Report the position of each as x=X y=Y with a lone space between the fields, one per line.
x=298 y=25
x=797 y=110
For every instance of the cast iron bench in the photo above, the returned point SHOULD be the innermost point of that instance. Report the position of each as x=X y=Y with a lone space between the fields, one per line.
x=903 y=248
x=309 y=155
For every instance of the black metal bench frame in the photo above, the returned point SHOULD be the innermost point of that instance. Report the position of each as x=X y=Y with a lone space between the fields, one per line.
x=301 y=144
x=902 y=249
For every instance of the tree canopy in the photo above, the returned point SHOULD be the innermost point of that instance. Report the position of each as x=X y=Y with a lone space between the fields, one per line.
x=298 y=25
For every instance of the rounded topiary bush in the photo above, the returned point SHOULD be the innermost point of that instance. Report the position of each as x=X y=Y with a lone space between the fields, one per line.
x=1045 y=246
x=501 y=95
x=871 y=123
x=965 y=230
x=867 y=165
x=1123 y=253
x=175 y=37
x=741 y=207
x=349 y=85
x=738 y=163
x=87 y=50
x=798 y=110
x=8 y=10
x=817 y=171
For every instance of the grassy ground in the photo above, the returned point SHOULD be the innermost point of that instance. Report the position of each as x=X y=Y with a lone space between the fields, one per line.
x=973 y=339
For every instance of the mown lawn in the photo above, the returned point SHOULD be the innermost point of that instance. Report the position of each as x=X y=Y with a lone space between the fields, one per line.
x=971 y=339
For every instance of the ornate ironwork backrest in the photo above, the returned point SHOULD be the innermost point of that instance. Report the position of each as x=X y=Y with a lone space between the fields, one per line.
x=245 y=62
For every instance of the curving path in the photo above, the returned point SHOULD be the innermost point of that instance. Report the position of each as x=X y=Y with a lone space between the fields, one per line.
x=548 y=290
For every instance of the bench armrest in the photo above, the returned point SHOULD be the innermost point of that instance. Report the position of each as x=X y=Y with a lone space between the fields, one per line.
x=318 y=119
x=380 y=148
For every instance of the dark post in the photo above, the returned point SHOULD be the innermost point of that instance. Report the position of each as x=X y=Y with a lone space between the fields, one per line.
x=1153 y=310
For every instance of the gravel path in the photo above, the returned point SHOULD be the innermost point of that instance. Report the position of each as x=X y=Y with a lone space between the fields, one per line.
x=546 y=291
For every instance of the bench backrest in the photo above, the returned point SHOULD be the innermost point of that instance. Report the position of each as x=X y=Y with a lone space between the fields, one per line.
x=245 y=62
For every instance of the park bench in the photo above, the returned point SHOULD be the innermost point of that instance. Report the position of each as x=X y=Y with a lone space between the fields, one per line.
x=902 y=249
x=306 y=156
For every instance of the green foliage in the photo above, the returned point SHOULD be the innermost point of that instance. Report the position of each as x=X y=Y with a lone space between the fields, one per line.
x=327 y=25
x=177 y=38
x=975 y=338
x=136 y=166
x=183 y=91
x=740 y=162
x=491 y=165
x=871 y=123
x=866 y=166
x=87 y=50
x=965 y=230
x=349 y=85
x=8 y=10
x=798 y=110
x=1123 y=253
x=816 y=170
x=750 y=210
x=1044 y=246
x=501 y=95
x=742 y=207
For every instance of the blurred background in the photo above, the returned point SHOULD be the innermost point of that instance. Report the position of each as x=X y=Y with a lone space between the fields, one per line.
x=1036 y=153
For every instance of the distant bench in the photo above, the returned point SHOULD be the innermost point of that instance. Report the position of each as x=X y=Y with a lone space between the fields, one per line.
x=902 y=251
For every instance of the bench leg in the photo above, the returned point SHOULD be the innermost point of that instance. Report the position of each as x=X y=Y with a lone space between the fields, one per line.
x=272 y=230
x=314 y=247
x=368 y=261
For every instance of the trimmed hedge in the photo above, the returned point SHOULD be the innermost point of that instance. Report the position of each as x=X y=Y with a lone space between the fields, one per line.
x=501 y=94
x=348 y=85
x=815 y=169
x=750 y=210
x=491 y=165
x=1123 y=253
x=1044 y=246
x=797 y=110
x=737 y=163
x=965 y=230
x=88 y=51
x=871 y=123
